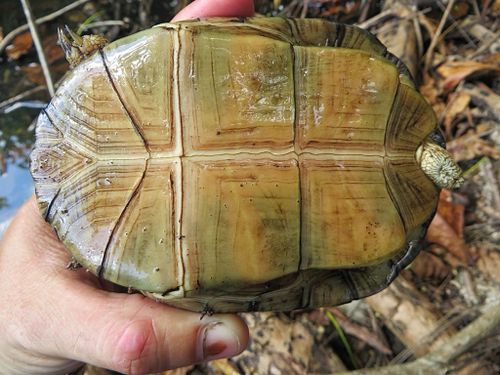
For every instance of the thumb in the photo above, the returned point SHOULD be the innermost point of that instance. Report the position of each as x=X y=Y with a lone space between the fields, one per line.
x=216 y=8
x=135 y=335
x=54 y=315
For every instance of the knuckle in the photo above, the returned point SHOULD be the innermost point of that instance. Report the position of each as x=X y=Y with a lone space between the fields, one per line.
x=135 y=351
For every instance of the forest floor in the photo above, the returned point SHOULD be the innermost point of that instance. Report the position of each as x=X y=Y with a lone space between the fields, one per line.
x=442 y=314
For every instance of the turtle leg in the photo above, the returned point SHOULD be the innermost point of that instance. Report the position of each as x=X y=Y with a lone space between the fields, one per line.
x=77 y=47
x=438 y=165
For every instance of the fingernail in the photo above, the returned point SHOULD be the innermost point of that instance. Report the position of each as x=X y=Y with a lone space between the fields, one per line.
x=218 y=341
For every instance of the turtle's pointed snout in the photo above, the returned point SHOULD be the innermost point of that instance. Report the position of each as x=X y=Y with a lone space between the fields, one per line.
x=458 y=182
x=439 y=165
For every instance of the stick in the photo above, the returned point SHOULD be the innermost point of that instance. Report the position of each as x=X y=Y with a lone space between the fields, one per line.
x=418 y=31
x=105 y=23
x=38 y=45
x=305 y=5
x=24 y=94
x=435 y=39
x=442 y=358
x=376 y=19
x=49 y=17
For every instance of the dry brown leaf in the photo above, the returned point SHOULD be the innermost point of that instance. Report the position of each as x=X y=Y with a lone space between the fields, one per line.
x=33 y=72
x=431 y=90
x=441 y=233
x=348 y=8
x=457 y=104
x=428 y=266
x=454 y=72
x=471 y=145
x=361 y=332
x=460 y=9
x=410 y=316
x=493 y=58
x=55 y=57
x=399 y=36
x=178 y=371
x=485 y=98
x=53 y=52
x=224 y=366
x=496 y=6
x=451 y=211
x=488 y=262
x=351 y=328
x=288 y=346
x=20 y=45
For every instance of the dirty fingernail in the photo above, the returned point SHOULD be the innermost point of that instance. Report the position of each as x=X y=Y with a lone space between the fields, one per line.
x=219 y=341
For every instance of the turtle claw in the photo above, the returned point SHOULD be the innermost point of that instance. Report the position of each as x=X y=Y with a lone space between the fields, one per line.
x=77 y=47
x=63 y=41
x=77 y=39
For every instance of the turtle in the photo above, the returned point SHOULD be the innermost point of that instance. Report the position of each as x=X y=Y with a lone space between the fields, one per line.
x=240 y=164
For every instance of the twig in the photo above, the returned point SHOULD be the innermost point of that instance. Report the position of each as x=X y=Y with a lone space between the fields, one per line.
x=361 y=332
x=105 y=23
x=364 y=11
x=376 y=19
x=410 y=317
x=453 y=26
x=290 y=9
x=49 y=17
x=437 y=361
x=486 y=8
x=35 y=104
x=486 y=45
x=144 y=12
x=476 y=8
x=305 y=6
x=20 y=96
x=478 y=330
x=38 y=45
x=430 y=51
x=445 y=324
x=418 y=30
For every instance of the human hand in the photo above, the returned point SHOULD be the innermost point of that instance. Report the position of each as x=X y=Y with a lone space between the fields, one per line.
x=53 y=319
x=216 y=8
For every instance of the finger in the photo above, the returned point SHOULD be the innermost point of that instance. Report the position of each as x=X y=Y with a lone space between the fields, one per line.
x=216 y=8
x=37 y=245
x=126 y=333
x=41 y=248
x=135 y=335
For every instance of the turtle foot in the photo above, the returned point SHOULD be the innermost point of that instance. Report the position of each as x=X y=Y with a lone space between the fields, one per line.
x=77 y=47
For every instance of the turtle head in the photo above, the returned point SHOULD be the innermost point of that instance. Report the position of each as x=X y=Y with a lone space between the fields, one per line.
x=438 y=165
